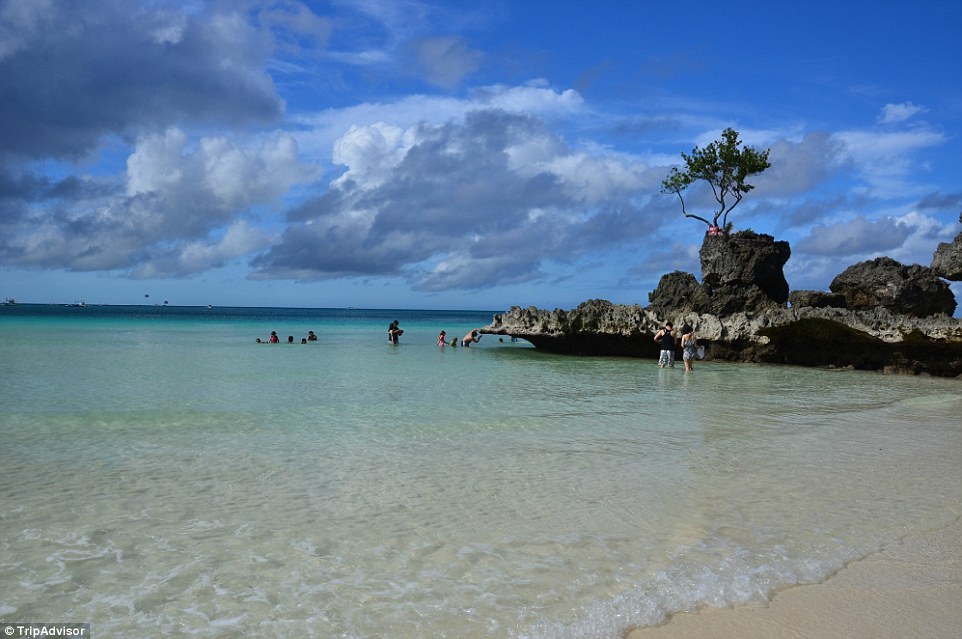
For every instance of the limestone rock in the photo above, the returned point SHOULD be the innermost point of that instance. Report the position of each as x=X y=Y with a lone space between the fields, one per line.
x=816 y=299
x=740 y=272
x=743 y=271
x=873 y=339
x=911 y=290
x=947 y=260
x=676 y=291
x=880 y=315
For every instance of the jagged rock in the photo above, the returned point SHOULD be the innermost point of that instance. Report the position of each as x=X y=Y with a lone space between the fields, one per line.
x=897 y=317
x=816 y=299
x=875 y=339
x=912 y=290
x=742 y=271
x=595 y=327
x=676 y=290
x=947 y=260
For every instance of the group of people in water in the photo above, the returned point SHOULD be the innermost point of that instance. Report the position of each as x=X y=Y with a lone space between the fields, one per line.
x=665 y=338
x=471 y=338
x=273 y=339
x=394 y=332
x=689 y=346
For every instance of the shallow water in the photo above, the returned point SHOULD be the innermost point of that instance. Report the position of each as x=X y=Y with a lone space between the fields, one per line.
x=165 y=476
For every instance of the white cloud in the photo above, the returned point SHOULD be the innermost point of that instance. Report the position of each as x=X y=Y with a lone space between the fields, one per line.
x=885 y=159
x=909 y=238
x=228 y=176
x=185 y=207
x=156 y=163
x=476 y=201
x=239 y=240
x=532 y=98
x=323 y=129
x=894 y=113
x=856 y=237
x=370 y=152
x=799 y=166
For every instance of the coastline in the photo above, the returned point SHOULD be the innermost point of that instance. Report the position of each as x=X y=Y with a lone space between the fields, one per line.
x=910 y=588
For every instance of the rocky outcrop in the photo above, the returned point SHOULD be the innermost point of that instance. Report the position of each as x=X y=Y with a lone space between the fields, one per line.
x=816 y=299
x=677 y=290
x=743 y=271
x=912 y=290
x=947 y=260
x=739 y=272
x=897 y=317
x=875 y=339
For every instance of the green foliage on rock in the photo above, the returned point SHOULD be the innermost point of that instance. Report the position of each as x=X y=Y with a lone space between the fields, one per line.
x=725 y=167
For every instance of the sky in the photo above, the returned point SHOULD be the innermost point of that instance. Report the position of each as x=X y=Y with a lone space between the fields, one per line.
x=458 y=155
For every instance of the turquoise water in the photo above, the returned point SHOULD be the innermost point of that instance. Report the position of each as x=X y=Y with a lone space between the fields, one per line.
x=163 y=475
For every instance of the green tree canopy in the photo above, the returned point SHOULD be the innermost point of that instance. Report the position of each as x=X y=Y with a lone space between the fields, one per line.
x=725 y=167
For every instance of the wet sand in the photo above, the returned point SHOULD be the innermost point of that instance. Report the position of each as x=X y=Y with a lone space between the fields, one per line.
x=911 y=588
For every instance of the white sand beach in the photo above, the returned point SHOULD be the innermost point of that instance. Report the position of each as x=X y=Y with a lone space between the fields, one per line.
x=910 y=589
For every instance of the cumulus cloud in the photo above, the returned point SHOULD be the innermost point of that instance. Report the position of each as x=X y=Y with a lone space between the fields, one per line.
x=219 y=173
x=469 y=203
x=182 y=202
x=324 y=129
x=86 y=70
x=240 y=239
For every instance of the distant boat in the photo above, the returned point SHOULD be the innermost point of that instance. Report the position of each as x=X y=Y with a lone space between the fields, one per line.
x=9 y=301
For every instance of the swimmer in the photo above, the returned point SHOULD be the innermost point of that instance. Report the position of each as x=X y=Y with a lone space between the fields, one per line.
x=473 y=336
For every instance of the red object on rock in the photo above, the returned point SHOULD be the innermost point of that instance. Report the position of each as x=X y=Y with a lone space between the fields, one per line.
x=713 y=230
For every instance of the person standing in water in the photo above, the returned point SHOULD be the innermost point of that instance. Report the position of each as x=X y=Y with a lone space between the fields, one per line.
x=394 y=332
x=473 y=336
x=666 y=338
x=442 y=339
x=689 y=345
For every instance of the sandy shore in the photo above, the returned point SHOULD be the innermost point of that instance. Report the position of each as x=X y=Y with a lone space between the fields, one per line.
x=910 y=589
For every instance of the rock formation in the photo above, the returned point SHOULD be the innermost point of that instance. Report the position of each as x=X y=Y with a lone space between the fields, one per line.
x=743 y=271
x=947 y=261
x=913 y=290
x=739 y=311
x=816 y=299
x=740 y=272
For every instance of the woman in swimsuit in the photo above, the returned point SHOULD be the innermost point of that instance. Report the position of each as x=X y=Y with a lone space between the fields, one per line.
x=689 y=345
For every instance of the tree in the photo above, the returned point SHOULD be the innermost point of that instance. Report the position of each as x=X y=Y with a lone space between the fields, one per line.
x=725 y=167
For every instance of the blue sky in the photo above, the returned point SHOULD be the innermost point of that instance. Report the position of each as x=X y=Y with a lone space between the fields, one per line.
x=465 y=155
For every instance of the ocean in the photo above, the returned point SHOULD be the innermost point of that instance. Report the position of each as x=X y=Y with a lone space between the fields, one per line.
x=163 y=475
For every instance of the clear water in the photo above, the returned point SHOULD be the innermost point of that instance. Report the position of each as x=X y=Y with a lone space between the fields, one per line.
x=163 y=475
